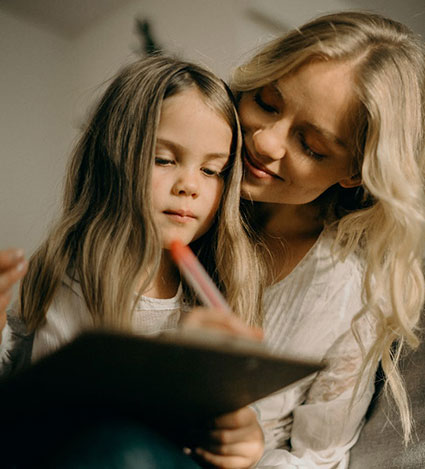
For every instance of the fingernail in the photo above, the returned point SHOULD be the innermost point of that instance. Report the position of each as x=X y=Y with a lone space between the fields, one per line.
x=21 y=266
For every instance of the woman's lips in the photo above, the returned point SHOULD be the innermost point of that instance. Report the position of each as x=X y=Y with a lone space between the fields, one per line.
x=257 y=169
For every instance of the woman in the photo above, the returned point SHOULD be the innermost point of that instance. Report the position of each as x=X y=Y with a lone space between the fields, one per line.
x=333 y=119
x=333 y=122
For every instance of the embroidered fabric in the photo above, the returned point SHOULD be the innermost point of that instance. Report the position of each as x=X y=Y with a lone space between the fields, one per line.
x=315 y=422
x=343 y=363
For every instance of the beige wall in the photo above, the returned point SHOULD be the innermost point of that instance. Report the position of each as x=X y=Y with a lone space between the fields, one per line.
x=34 y=128
x=48 y=80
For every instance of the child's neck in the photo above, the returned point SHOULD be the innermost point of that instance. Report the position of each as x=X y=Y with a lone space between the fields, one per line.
x=167 y=280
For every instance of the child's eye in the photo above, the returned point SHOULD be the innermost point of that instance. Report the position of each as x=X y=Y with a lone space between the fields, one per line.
x=308 y=151
x=163 y=161
x=263 y=105
x=210 y=172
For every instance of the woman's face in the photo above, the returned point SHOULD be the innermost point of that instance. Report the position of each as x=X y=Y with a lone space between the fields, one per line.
x=296 y=135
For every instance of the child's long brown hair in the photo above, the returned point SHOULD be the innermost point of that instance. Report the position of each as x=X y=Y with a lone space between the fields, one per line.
x=106 y=237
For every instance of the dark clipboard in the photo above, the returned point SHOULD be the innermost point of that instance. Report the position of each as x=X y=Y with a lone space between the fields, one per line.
x=170 y=381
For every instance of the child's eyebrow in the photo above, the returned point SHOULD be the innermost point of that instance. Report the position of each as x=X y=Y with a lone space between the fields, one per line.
x=179 y=149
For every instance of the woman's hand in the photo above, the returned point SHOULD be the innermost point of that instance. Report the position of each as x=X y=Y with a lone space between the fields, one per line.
x=221 y=321
x=234 y=442
x=13 y=267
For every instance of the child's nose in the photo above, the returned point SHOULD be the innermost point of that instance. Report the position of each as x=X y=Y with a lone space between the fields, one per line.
x=186 y=184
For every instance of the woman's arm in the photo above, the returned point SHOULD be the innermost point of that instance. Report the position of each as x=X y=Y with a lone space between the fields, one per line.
x=322 y=430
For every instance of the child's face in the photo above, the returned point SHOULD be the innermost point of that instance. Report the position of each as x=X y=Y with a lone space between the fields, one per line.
x=296 y=134
x=193 y=147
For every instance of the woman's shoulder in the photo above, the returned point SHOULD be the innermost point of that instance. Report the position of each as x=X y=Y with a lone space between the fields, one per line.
x=323 y=268
x=316 y=303
x=330 y=254
x=334 y=279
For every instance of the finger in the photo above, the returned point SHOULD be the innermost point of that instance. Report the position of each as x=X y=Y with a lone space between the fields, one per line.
x=5 y=298
x=222 y=461
x=222 y=321
x=10 y=258
x=11 y=276
x=229 y=437
x=251 y=450
x=239 y=418
x=2 y=322
x=238 y=327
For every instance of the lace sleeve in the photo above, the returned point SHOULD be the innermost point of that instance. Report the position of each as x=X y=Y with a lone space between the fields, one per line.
x=328 y=423
x=343 y=363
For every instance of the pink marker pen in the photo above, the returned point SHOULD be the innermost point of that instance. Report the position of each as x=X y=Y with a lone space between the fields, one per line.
x=197 y=276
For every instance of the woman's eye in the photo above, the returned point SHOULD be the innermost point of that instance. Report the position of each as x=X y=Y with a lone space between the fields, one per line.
x=163 y=161
x=308 y=151
x=263 y=105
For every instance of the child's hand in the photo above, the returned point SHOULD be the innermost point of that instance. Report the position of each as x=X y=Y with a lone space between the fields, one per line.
x=221 y=321
x=13 y=267
x=235 y=442
x=235 y=439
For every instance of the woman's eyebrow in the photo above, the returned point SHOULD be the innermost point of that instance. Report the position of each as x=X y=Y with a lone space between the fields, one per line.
x=275 y=88
x=326 y=134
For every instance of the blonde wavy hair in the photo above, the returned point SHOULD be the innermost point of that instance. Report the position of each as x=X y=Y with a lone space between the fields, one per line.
x=384 y=218
x=106 y=236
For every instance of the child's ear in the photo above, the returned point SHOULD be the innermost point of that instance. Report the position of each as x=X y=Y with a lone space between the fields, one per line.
x=350 y=182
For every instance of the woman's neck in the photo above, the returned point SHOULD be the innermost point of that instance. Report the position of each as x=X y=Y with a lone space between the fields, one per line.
x=166 y=281
x=289 y=232
x=289 y=221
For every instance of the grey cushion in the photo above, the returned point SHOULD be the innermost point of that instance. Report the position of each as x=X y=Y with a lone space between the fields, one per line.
x=381 y=444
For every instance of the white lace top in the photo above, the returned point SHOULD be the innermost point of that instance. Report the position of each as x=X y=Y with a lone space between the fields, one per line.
x=308 y=315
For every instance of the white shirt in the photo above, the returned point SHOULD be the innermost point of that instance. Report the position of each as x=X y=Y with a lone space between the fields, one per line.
x=308 y=315
x=68 y=316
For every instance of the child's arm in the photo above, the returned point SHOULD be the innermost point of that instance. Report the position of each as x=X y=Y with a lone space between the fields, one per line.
x=13 y=267
x=235 y=440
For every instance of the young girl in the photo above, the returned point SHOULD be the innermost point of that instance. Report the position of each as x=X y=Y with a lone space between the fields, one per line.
x=159 y=160
x=333 y=118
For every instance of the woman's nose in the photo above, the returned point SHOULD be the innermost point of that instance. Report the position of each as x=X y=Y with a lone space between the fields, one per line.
x=270 y=142
x=186 y=184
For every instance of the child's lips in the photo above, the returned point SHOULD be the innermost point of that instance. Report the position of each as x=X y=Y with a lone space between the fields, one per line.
x=181 y=216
